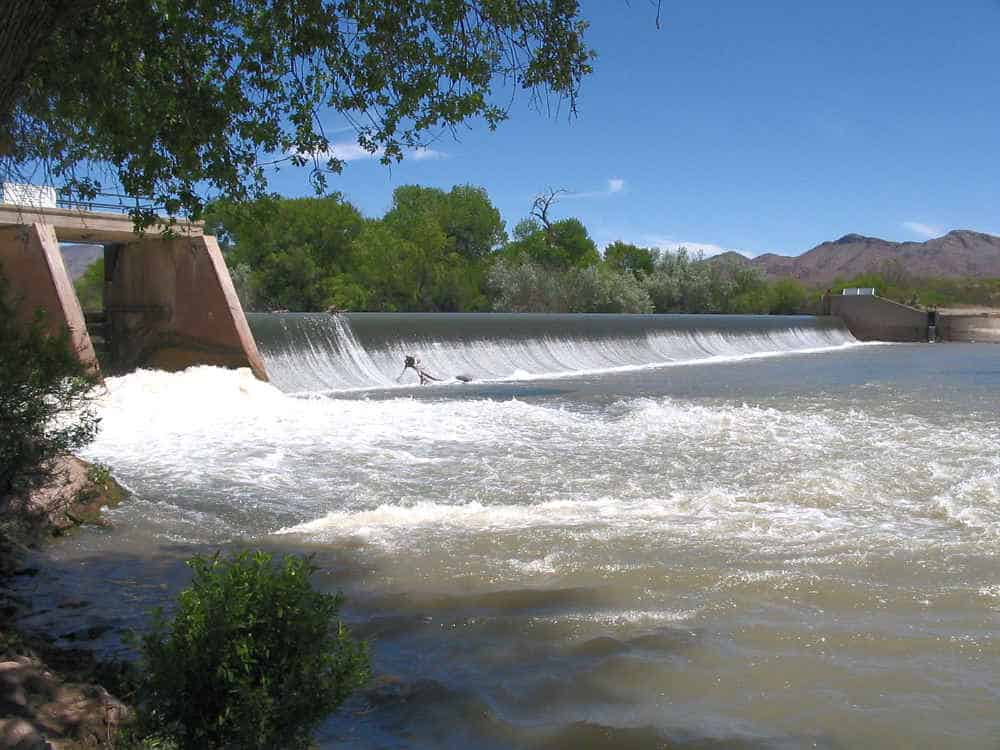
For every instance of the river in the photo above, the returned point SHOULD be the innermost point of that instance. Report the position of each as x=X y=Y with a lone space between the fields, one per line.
x=625 y=532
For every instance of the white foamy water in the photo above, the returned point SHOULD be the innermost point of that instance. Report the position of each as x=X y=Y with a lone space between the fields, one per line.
x=787 y=550
x=394 y=471
x=307 y=353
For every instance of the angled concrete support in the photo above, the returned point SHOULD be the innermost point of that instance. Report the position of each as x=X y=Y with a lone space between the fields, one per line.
x=33 y=265
x=170 y=304
x=872 y=318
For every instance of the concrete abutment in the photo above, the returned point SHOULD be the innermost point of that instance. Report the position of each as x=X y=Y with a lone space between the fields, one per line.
x=872 y=318
x=169 y=300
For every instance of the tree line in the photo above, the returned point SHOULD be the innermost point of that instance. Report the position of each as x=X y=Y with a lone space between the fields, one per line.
x=449 y=251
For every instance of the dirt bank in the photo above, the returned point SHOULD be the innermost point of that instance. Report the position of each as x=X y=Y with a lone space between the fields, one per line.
x=53 y=698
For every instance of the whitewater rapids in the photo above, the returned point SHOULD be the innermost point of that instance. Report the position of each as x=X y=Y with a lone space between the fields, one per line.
x=627 y=533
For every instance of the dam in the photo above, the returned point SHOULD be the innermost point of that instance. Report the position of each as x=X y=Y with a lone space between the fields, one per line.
x=331 y=353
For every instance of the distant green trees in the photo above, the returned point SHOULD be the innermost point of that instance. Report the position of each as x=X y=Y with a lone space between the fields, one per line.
x=291 y=251
x=448 y=251
x=928 y=293
x=90 y=286
x=428 y=253
x=526 y=286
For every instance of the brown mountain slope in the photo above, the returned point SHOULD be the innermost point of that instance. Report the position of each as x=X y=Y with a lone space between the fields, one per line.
x=958 y=253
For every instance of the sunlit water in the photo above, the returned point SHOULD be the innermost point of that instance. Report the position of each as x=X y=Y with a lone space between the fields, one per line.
x=626 y=532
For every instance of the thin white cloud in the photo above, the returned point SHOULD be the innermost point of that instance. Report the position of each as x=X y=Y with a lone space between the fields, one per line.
x=615 y=185
x=707 y=249
x=423 y=154
x=352 y=151
x=924 y=230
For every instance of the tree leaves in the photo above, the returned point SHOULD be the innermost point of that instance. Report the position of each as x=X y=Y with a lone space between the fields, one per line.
x=171 y=99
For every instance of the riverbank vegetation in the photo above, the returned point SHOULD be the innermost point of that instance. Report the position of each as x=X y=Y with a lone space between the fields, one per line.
x=254 y=657
x=448 y=251
x=46 y=408
x=892 y=282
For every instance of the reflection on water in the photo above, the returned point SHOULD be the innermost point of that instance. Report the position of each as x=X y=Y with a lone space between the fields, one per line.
x=792 y=551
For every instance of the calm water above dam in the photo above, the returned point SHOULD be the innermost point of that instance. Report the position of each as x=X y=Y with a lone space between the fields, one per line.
x=627 y=532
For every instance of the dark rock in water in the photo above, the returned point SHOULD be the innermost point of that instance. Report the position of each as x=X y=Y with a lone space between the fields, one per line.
x=91 y=633
x=73 y=604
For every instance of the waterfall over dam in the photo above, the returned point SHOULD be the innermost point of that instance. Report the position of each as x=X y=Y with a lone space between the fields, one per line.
x=320 y=352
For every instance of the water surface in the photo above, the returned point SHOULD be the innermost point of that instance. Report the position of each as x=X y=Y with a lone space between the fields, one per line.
x=626 y=532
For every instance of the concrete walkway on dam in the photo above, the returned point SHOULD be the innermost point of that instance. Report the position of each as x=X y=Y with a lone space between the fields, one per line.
x=169 y=301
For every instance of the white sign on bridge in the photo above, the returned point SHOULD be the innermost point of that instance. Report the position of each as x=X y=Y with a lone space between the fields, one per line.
x=36 y=196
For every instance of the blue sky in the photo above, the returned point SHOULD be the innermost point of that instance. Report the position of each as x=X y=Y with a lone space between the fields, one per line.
x=767 y=126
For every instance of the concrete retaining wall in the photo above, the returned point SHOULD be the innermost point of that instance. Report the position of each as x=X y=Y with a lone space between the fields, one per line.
x=170 y=304
x=33 y=265
x=871 y=318
x=979 y=328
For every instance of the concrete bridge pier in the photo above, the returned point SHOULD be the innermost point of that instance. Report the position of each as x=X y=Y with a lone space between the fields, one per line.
x=169 y=301
x=170 y=304
x=37 y=279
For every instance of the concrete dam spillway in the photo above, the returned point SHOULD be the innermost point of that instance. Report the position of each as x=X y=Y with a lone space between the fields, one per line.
x=320 y=352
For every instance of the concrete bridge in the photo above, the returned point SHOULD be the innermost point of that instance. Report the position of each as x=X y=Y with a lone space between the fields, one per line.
x=169 y=301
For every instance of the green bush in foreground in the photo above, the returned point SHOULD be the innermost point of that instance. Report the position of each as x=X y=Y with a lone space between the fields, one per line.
x=46 y=406
x=254 y=657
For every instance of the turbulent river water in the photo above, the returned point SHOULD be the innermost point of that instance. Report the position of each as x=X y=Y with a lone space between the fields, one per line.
x=625 y=532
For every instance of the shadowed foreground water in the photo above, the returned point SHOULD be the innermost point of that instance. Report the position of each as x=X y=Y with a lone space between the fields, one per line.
x=738 y=535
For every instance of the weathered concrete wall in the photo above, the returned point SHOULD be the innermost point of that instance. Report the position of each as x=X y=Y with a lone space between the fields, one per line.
x=871 y=318
x=34 y=268
x=980 y=328
x=170 y=304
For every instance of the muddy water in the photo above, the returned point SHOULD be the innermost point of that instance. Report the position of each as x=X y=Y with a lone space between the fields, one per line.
x=638 y=540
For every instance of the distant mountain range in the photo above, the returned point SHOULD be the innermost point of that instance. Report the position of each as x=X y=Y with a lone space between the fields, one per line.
x=958 y=253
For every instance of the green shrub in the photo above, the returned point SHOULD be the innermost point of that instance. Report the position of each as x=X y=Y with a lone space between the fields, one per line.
x=254 y=657
x=90 y=286
x=45 y=399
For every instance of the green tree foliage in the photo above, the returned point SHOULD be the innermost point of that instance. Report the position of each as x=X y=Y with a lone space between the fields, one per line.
x=560 y=245
x=90 y=286
x=427 y=254
x=169 y=97
x=254 y=657
x=465 y=215
x=437 y=250
x=680 y=283
x=524 y=286
x=788 y=296
x=929 y=293
x=292 y=251
x=626 y=257
x=46 y=407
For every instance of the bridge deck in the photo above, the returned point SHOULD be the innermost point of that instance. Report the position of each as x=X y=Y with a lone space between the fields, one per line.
x=75 y=225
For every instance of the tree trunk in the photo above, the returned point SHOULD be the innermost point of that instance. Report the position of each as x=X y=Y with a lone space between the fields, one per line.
x=25 y=28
